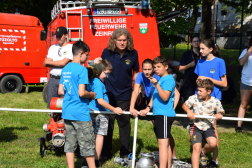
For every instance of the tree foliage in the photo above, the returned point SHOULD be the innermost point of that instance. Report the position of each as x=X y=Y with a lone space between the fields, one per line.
x=39 y=8
x=237 y=5
x=169 y=31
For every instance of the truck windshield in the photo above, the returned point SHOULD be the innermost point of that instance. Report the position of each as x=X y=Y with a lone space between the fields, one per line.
x=43 y=35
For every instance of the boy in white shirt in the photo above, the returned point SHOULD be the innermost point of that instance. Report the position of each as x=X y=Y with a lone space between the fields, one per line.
x=203 y=104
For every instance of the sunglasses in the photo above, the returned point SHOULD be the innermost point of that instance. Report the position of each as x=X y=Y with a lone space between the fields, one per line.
x=107 y=74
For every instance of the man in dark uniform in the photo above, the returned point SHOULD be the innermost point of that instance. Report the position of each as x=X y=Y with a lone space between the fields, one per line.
x=124 y=59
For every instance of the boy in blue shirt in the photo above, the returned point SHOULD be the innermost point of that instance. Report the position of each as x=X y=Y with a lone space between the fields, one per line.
x=75 y=108
x=163 y=102
x=100 y=103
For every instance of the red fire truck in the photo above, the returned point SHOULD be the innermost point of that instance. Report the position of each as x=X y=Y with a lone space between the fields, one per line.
x=93 y=21
x=22 y=51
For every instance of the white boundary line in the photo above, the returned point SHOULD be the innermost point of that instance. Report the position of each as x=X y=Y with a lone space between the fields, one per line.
x=126 y=112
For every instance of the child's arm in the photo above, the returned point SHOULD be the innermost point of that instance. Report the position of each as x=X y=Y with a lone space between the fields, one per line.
x=219 y=110
x=148 y=108
x=219 y=116
x=222 y=83
x=103 y=103
x=61 y=90
x=163 y=94
x=176 y=98
x=85 y=94
x=134 y=95
x=190 y=114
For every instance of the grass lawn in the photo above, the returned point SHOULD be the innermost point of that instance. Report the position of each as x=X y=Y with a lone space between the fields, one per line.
x=19 y=132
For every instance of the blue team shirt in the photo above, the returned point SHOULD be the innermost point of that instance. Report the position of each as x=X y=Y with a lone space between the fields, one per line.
x=148 y=86
x=96 y=85
x=74 y=107
x=119 y=82
x=159 y=106
x=214 y=69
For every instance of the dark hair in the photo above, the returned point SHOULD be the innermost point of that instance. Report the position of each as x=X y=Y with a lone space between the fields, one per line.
x=117 y=33
x=172 y=68
x=206 y=83
x=79 y=46
x=147 y=61
x=160 y=59
x=106 y=65
x=209 y=43
x=250 y=42
x=194 y=36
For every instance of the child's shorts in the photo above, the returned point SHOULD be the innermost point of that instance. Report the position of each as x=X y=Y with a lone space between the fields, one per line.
x=162 y=126
x=81 y=132
x=100 y=124
x=196 y=134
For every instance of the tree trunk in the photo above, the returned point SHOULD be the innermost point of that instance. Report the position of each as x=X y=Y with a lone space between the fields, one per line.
x=194 y=19
x=206 y=19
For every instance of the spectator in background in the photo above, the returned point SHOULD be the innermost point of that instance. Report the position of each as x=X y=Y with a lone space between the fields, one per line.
x=228 y=93
x=245 y=60
x=188 y=62
x=58 y=56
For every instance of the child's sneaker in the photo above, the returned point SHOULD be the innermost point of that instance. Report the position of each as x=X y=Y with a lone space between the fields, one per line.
x=212 y=164
x=84 y=164
x=203 y=160
x=98 y=164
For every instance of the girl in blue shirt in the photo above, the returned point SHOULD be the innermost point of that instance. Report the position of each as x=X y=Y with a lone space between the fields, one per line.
x=212 y=67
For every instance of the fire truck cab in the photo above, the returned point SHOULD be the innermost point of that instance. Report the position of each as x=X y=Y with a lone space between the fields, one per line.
x=22 y=51
x=93 y=21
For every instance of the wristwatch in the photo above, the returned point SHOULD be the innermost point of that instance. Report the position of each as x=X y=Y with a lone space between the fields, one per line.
x=222 y=113
x=149 y=107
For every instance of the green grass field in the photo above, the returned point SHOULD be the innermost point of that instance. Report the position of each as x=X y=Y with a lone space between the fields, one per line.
x=19 y=133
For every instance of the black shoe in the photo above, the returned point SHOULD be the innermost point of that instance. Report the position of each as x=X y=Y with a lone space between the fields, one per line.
x=97 y=164
x=84 y=164
x=124 y=156
x=105 y=157
x=212 y=164
x=238 y=129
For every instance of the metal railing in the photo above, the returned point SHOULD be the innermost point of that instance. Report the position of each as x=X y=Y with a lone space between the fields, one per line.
x=69 y=5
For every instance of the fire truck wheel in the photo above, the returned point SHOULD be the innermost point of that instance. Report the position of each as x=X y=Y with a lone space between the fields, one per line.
x=11 y=83
x=44 y=93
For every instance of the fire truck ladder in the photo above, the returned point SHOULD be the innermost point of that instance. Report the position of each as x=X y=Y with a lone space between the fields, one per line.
x=80 y=29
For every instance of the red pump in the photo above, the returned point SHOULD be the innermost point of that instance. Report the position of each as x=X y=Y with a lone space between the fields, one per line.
x=55 y=129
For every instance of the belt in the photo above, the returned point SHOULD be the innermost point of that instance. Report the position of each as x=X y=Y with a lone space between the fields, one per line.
x=55 y=77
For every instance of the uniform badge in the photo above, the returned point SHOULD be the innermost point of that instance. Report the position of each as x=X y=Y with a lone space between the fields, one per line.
x=127 y=61
x=143 y=28
x=64 y=53
x=58 y=30
x=212 y=71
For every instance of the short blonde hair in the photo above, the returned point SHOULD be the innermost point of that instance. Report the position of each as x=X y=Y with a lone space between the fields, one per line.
x=117 y=33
